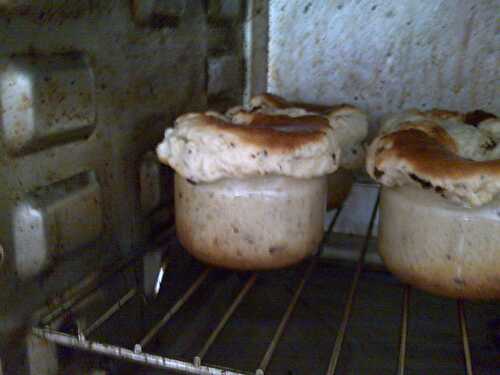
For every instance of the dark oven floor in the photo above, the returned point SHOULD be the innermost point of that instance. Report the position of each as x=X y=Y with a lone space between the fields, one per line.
x=371 y=345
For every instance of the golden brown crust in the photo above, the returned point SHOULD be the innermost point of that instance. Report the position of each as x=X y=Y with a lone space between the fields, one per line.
x=264 y=131
x=392 y=122
x=433 y=131
x=208 y=147
x=421 y=154
x=257 y=119
x=267 y=100
x=427 y=155
x=350 y=125
x=444 y=114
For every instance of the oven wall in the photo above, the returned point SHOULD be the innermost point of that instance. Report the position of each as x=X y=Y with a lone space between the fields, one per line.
x=386 y=55
x=86 y=91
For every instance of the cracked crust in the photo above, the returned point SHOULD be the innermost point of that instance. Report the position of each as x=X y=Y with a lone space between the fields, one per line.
x=205 y=147
x=256 y=120
x=424 y=155
x=350 y=125
x=267 y=100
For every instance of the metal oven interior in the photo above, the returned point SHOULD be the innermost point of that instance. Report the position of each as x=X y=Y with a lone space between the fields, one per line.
x=90 y=270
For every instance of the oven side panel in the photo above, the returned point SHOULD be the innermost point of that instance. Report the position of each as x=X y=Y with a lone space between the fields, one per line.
x=86 y=91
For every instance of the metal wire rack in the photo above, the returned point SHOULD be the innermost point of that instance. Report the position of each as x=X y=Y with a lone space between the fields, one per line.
x=138 y=354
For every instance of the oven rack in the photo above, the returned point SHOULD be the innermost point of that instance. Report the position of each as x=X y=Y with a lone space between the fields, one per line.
x=81 y=341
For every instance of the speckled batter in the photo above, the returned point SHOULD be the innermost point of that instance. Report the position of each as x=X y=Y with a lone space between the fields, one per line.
x=257 y=223
x=441 y=247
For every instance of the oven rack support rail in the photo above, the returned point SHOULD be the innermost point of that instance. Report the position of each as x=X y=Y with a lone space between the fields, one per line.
x=197 y=367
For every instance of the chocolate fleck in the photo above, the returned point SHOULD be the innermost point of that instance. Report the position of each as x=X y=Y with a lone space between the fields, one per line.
x=425 y=184
x=438 y=189
x=475 y=117
x=276 y=249
x=379 y=150
x=489 y=145
x=378 y=173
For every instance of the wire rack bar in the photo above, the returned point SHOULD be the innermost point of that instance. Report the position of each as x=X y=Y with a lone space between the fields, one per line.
x=293 y=302
x=465 y=337
x=152 y=333
x=71 y=304
x=404 y=330
x=126 y=354
x=248 y=285
x=66 y=307
x=352 y=292
x=110 y=312
x=329 y=230
x=284 y=320
x=372 y=260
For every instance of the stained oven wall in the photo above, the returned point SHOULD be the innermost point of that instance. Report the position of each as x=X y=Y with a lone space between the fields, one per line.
x=387 y=55
x=86 y=90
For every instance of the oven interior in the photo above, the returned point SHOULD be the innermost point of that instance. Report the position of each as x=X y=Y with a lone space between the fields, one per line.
x=92 y=278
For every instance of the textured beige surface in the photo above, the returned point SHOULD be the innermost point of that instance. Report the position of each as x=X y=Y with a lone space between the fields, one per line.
x=392 y=122
x=440 y=247
x=258 y=223
x=350 y=124
x=413 y=157
x=476 y=143
x=491 y=126
x=458 y=161
x=350 y=127
x=206 y=147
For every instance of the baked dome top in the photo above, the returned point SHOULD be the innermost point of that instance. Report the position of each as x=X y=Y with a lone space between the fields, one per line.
x=349 y=124
x=206 y=147
x=438 y=150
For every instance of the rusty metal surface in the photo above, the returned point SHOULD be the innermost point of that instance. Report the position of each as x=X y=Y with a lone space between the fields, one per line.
x=55 y=221
x=101 y=90
x=387 y=55
x=122 y=353
x=45 y=100
x=87 y=89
